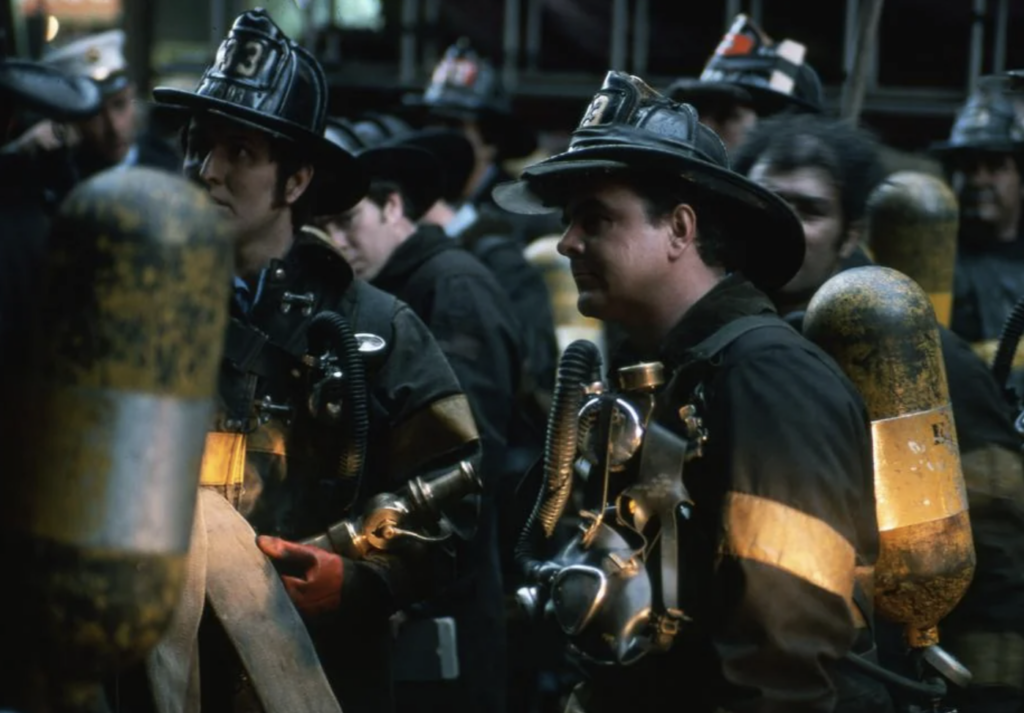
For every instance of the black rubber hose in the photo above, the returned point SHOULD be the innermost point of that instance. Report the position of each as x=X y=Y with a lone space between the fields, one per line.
x=329 y=330
x=578 y=366
x=1013 y=328
x=884 y=675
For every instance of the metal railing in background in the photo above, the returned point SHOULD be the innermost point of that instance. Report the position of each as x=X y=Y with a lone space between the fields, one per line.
x=510 y=44
x=999 y=47
x=521 y=49
x=977 y=44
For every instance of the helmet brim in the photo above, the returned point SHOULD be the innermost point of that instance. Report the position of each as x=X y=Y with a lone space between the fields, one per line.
x=339 y=182
x=48 y=91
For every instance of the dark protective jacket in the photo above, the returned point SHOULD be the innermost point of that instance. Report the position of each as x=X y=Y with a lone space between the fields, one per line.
x=784 y=508
x=988 y=282
x=31 y=188
x=419 y=420
x=986 y=629
x=491 y=239
x=471 y=319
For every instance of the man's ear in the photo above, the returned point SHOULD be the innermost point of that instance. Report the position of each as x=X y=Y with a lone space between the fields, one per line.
x=851 y=239
x=683 y=230
x=394 y=208
x=297 y=184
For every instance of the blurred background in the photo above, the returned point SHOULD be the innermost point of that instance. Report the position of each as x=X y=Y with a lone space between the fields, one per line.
x=553 y=53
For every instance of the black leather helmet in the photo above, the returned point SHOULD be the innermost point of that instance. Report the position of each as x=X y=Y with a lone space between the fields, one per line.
x=629 y=126
x=450 y=147
x=989 y=121
x=465 y=86
x=48 y=91
x=263 y=79
x=771 y=77
x=415 y=170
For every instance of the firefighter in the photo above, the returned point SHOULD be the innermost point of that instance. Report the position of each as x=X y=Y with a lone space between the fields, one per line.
x=666 y=241
x=502 y=255
x=983 y=159
x=297 y=447
x=474 y=324
x=826 y=170
x=748 y=77
x=465 y=93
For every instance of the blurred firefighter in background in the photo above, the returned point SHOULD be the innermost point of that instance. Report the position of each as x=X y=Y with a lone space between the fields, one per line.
x=983 y=159
x=474 y=324
x=749 y=77
x=26 y=201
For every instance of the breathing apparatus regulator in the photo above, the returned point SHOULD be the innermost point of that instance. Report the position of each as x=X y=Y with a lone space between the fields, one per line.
x=336 y=385
x=610 y=589
x=1003 y=363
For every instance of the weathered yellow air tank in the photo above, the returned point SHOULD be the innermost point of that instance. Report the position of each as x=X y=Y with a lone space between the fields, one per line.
x=911 y=226
x=104 y=432
x=570 y=325
x=880 y=327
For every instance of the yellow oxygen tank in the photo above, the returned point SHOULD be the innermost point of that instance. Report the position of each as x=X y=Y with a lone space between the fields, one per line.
x=105 y=430
x=570 y=325
x=880 y=327
x=911 y=226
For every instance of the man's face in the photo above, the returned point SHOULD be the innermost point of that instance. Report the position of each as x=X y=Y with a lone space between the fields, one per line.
x=110 y=133
x=988 y=187
x=234 y=164
x=619 y=258
x=814 y=197
x=364 y=236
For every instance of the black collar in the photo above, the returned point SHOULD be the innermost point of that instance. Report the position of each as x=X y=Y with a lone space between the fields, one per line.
x=418 y=248
x=730 y=299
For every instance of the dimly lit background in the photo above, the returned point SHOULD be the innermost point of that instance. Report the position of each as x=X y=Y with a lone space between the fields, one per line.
x=553 y=53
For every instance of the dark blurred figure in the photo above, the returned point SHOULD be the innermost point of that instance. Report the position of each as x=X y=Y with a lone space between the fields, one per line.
x=110 y=137
x=528 y=296
x=983 y=160
x=26 y=194
x=826 y=170
x=503 y=256
x=465 y=94
x=749 y=77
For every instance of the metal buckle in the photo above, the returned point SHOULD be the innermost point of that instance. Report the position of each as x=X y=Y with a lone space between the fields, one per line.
x=666 y=627
x=696 y=432
x=266 y=409
x=306 y=300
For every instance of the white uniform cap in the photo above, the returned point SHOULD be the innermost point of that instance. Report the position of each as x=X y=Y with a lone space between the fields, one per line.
x=98 y=57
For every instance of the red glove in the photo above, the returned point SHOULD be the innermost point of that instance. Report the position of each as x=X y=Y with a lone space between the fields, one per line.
x=317 y=587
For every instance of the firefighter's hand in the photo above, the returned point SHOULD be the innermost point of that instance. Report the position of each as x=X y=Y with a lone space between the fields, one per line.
x=44 y=136
x=311 y=576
